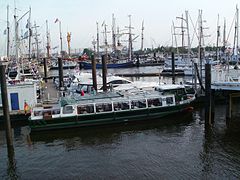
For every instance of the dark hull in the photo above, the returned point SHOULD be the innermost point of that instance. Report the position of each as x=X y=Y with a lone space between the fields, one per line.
x=168 y=72
x=87 y=65
x=15 y=118
x=64 y=67
x=106 y=118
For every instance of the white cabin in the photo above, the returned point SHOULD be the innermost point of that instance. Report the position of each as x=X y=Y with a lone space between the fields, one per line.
x=18 y=94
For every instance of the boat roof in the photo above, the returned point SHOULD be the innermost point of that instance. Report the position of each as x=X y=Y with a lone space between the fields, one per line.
x=169 y=87
x=110 y=97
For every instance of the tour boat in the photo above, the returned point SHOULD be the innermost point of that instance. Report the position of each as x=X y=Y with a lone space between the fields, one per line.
x=111 y=107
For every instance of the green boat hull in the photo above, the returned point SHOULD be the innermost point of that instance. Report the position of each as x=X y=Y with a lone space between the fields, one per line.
x=106 y=118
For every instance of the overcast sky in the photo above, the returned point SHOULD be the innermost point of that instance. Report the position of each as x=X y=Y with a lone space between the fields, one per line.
x=79 y=17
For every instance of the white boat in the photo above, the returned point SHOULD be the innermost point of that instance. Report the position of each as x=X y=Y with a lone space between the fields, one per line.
x=83 y=81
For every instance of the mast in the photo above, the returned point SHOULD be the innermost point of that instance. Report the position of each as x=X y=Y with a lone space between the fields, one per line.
x=105 y=39
x=118 y=43
x=61 y=46
x=94 y=45
x=113 y=33
x=69 y=40
x=237 y=33
x=235 y=39
x=16 y=35
x=98 y=41
x=224 y=34
x=36 y=39
x=200 y=36
x=218 y=36
x=142 y=36
x=29 y=35
x=182 y=28
x=130 y=54
x=48 y=41
x=174 y=34
x=8 y=33
x=188 y=36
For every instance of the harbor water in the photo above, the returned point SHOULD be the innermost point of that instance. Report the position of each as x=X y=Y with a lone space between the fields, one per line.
x=175 y=147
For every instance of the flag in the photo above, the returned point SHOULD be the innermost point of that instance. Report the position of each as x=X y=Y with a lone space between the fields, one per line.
x=56 y=20
x=5 y=32
x=25 y=36
x=55 y=47
x=30 y=32
x=103 y=23
x=27 y=25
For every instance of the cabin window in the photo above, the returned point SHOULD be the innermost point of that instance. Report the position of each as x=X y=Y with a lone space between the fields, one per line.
x=55 y=111
x=67 y=110
x=120 y=106
x=103 y=107
x=169 y=100
x=119 y=82
x=154 y=102
x=37 y=113
x=85 y=109
x=137 y=104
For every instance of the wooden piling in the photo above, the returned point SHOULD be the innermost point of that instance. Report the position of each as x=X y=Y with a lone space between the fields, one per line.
x=208 y=95
x=173 y=68
x=45 y=69
x=104 y=72
x=94 y=74
x=228 y=108
x=154 y=56
x=212 y=105
x=60 y=70
x=138 y=62
x=6 y=106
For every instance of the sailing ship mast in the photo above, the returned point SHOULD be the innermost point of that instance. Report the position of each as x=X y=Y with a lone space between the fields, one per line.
x=113 y=33
x=174 y=34
x=36 y=40
x=188 y=36
x=29 y=35
x=8 y=33
x=16 y=36
x=61 y=45
x=236 y=33
x=16 y=22
x=183 y=32
x=105 y=38
x=237 y=24
x=218 y=36
x=48 y=41
x=142 y=37
x=224 y=35
x=60 y=36
x=69 y=40
x=130 y=48
x=98 y=55
x=200 y=37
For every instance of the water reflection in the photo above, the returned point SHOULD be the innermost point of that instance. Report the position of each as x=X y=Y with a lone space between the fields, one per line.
x=178 y=146
x=110 y=133
x=206 y=156
x=221 y=148
x=11 y=167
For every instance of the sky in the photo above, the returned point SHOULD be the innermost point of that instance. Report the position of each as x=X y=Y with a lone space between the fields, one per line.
x=80 y=16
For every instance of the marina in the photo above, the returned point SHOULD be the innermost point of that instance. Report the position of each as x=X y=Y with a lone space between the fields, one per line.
x=110 y=100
